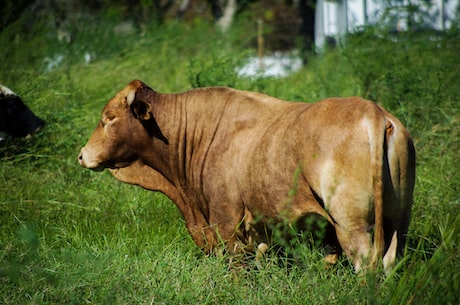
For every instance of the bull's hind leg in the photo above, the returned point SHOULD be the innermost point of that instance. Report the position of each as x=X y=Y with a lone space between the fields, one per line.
x=356 y=245
x=351 y=218
x=395 y=229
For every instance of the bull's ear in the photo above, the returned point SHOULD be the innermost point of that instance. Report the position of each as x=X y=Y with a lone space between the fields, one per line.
x=140 y=109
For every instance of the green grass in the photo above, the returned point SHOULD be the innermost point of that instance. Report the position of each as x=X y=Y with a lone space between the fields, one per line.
x=72 y=236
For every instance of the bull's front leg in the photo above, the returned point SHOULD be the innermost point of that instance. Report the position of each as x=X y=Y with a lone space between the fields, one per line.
x=204 y=238
x=209 y=239
x=229 y=224
x=203 y=234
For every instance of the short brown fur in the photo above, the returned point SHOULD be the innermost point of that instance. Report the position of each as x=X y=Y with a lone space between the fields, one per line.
x=227 y=157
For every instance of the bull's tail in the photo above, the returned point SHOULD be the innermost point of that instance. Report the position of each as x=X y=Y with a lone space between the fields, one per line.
x=377 y=138
x=387 y=136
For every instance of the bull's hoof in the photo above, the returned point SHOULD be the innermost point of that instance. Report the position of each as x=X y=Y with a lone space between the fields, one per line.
x=330 y=260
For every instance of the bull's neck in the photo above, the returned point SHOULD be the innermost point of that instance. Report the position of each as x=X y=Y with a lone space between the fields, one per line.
x=188 y=126
x=166 y=154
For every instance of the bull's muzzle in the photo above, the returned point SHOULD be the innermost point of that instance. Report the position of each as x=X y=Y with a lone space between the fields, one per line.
x=88 y=160
x=83 y=160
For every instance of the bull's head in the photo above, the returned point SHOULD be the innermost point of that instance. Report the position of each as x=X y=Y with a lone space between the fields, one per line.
x=124 y=131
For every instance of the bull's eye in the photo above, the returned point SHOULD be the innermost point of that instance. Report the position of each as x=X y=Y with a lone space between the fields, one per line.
x=107 y=119
x=104 y=121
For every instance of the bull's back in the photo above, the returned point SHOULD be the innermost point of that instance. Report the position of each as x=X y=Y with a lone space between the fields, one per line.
x=265 y=149
x=292 y=153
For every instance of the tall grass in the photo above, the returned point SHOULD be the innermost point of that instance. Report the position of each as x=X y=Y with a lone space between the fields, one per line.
x=71 y=236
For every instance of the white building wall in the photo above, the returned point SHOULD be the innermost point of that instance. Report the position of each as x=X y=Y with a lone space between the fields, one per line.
x=335 y=17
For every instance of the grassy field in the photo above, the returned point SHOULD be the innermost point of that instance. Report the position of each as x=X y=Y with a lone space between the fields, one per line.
x=72 y=236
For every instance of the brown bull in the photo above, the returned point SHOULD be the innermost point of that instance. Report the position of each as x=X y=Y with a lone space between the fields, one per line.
x=227 y=157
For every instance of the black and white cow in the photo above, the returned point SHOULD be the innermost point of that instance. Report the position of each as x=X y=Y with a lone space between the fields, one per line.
x=16 y=119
